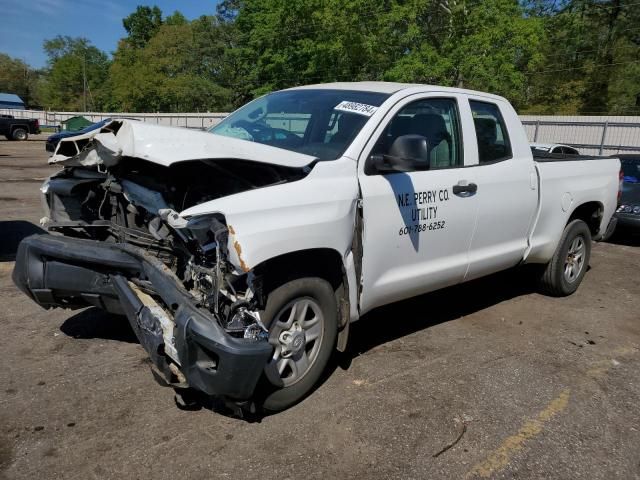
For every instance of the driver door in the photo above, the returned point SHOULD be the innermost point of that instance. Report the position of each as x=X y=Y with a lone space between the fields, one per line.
x=417 y=224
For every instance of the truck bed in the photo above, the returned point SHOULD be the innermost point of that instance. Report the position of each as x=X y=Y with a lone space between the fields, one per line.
x=563 y=185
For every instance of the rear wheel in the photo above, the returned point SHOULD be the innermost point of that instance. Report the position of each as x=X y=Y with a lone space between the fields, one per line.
x=564 y=273
x=20 y=134
x=302 y=318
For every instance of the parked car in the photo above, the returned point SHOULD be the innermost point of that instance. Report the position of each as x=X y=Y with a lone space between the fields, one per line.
x=542 y=148
x=240 y=256
x=53 y=140
x=18 y=128
x=628 y=213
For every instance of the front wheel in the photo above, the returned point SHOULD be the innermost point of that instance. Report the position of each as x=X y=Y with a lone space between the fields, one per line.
x=564 y=273
x=302 y=318
x=20 y=134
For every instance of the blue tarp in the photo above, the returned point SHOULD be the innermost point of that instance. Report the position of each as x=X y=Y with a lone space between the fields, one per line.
x=10 y=100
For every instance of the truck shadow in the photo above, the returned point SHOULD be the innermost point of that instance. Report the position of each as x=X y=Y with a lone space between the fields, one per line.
x=625 y=238
x=12 y=232
x=96 y=323
x=397 y=320
x=380 y=326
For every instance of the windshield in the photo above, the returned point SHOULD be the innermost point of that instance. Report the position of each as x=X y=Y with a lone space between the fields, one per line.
x=99 y=124
x=87 y=129
x=320 y=123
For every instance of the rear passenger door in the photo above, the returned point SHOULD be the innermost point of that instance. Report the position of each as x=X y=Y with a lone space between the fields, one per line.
x=507 y=188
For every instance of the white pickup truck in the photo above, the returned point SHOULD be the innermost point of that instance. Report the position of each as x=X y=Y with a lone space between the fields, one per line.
x=241 y=255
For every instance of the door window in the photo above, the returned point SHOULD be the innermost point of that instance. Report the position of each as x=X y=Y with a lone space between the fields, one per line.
x=434 y=119
x=491 y=132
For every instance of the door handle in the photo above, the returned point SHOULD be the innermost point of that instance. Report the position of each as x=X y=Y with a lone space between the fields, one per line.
x=465 y=190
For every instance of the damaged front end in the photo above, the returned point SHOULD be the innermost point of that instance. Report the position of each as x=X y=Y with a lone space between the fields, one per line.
x=187 y=345
x=121 y=244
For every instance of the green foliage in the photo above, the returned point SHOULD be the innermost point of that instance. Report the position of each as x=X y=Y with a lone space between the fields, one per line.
x=591 y=50
x=490 y=47
x=561 y=56
x=72 y=61
x=176 y=18
x=142 y=25
x=285 y=43
x=19 y=78
x=166 y=75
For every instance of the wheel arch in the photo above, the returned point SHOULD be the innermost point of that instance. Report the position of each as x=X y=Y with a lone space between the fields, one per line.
x=325 y=263
x=14 y=127
x=17 y=128
x=589 y=212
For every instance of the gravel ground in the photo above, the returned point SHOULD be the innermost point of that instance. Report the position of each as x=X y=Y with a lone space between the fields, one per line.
x=528 y=386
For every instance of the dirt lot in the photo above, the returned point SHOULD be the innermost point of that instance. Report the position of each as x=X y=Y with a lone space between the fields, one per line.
x=533 y=387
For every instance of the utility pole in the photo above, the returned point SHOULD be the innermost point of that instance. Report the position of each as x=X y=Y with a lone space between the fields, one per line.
x=27 y=93
x=84 y=81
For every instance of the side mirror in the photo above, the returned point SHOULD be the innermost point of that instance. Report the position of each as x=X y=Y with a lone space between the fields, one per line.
x=408 y=153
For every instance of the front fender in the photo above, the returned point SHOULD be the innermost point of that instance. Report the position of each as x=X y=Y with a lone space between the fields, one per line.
x=317 y=211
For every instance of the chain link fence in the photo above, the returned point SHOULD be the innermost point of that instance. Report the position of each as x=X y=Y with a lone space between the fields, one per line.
x=199 y=121
x=592 y=135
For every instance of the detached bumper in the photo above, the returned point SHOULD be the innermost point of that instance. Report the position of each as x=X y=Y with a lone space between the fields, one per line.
x=74 y=273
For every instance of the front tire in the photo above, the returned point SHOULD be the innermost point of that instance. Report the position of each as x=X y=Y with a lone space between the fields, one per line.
x=20 y=134
x=564 y=273
x=302 y=318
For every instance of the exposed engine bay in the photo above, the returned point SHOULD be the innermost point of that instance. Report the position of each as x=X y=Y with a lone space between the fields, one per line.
x=136 y=202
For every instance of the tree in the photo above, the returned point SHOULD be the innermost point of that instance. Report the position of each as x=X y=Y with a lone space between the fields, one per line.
x=488 y=45
x=19 y=78
x=142 y=25
x=176 y=18
x=546 y=56
x=218 y=50
x=71 y=61
x=591 y=52
x=281 y=43
x=167 y=74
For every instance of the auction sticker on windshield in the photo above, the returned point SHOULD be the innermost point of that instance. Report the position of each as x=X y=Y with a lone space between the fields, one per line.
x=354 y=107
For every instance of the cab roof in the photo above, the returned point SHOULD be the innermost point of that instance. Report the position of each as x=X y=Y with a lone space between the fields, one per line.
x=391 y=88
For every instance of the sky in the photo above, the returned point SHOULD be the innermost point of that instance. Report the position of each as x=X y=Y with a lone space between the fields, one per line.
x=25 y=24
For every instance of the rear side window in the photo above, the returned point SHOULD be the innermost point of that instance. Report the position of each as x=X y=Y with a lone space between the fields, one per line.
x=491 y=132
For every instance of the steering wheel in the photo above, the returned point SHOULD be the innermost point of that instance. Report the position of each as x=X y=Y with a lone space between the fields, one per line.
x=277 y=134
x=263 y=133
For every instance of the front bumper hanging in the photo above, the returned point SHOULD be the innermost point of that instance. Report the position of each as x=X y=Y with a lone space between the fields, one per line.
x=74 y=273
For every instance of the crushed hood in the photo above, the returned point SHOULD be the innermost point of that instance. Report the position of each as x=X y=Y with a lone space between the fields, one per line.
x=164 y=146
